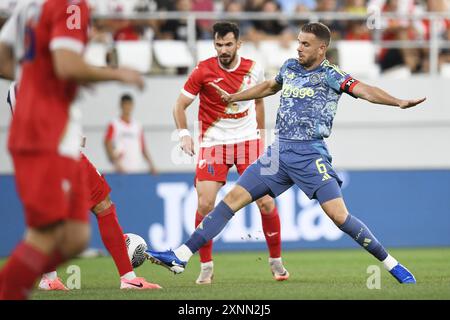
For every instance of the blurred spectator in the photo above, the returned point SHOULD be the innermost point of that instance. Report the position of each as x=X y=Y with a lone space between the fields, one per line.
x=177 y=29
x=398 y=29
x=268 y=29
x=288 y=6
x=204 y=25
x=444 y=55
x=237 y=6
x=125 y=143
x=165 y=5
x=337 y=27
x=254 y=5
x=354 y=29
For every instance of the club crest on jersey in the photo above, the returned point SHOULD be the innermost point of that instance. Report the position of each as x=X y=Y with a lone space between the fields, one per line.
x=314 y=79
x=247 y=79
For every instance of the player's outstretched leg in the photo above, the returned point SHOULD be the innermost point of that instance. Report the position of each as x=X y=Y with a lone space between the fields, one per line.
x=272 y=233
x=335 y=208
x=176 y=260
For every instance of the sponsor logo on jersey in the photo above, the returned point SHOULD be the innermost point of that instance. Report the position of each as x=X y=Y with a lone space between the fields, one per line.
x=290 y=91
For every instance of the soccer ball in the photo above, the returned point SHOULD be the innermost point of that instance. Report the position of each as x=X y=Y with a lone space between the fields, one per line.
x=136 y=247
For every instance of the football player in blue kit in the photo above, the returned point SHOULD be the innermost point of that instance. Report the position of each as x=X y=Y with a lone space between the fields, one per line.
x=310 y=90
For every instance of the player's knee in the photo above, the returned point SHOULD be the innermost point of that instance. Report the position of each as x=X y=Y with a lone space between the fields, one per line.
x=265 y=204
x=237 y=198
x=102 y=205
x=338 y=215
x=205 y=205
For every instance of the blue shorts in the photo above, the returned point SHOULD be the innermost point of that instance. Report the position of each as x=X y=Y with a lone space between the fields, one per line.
x=285 y=163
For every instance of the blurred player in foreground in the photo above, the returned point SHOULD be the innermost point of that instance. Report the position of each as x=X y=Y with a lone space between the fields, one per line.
x=230 y=135
x=310 y=89
x=111 y=232
x=43 y=41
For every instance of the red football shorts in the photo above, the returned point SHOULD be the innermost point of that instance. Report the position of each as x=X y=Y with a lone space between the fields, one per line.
x=215 y=162
x=52 y=188
x=98 y=188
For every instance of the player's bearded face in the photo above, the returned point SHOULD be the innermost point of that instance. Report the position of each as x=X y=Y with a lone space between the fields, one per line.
x=226 y=48
x=308 y=49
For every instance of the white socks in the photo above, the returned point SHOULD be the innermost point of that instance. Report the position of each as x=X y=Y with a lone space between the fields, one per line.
x=129 y=275
x=51 y=275
x=207 y=265
x=275 y=260
x=389 y=262
x=183 y=253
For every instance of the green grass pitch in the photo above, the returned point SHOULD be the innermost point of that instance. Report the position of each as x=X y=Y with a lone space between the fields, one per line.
x=315 y=274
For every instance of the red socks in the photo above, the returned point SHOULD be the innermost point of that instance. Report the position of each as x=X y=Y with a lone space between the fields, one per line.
x=22 y=269
x=112 y=236
x=205 y=252
x=272 y=232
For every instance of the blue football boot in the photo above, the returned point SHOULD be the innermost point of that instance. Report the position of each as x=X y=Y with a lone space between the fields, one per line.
x=167 y=259
x=402 y=274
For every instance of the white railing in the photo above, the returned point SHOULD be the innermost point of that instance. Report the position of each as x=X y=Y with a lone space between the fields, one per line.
x=374 y=20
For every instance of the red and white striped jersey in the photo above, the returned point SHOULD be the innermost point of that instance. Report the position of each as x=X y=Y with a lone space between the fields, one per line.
x=221 y=123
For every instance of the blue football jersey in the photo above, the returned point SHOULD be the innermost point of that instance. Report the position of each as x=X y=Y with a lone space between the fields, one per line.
x=309 y=99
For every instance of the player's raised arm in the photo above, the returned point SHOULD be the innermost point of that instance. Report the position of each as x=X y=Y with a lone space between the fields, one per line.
x=179 y=115
x=264 y=89
x=70 y=65
x=379 y=96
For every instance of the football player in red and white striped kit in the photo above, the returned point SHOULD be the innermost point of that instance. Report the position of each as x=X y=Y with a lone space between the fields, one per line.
x=41 y=46
x=229 y=135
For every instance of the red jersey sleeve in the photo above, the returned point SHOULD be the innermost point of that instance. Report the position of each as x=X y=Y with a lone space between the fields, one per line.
x=69 y=25
x=194 y=83
x=109 y=132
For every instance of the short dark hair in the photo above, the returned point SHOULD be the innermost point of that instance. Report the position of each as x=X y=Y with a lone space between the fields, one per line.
x=126 y=97
x=224 y=27
x=318 y=29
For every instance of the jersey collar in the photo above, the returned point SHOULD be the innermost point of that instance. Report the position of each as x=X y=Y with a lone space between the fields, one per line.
x=235 y=67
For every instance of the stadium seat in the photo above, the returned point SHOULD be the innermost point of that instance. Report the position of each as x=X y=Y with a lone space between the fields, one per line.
x=135 y=54
x=399 y=72
x=95 y=54
x=172 y=53
x=445 y=70
x=358 y=58
x=251 y=51
x=205 y=49
x=275 y=55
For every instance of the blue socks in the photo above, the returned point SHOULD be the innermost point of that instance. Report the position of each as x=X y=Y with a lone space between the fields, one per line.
x=361 y=234
x=210 y=227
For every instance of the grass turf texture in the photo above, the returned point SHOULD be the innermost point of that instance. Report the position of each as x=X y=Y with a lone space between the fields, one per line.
x=318 y=274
